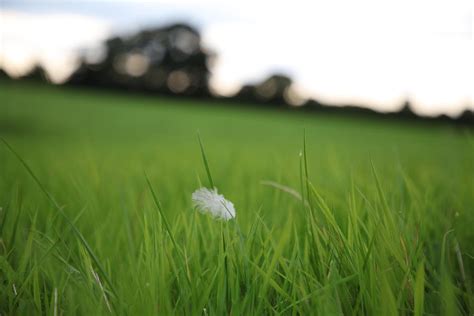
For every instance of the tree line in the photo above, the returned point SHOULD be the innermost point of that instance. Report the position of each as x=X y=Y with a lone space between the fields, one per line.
x=171 y=60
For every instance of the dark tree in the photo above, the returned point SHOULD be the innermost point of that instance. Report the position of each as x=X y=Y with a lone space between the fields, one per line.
x=406 y=110
x=273 y=90
x=3 y=74
x=37 y=73
x=466 y=118
x=170 y=60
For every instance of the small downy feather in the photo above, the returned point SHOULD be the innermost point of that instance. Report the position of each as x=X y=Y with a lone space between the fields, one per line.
x=210 y=201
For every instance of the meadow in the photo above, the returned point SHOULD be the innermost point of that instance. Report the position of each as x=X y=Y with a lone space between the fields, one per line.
x=335 y=215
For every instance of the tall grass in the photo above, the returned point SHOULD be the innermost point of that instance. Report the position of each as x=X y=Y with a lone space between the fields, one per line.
x=332 y=231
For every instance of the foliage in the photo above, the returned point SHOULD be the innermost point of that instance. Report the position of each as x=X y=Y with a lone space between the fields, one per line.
x=371 y=218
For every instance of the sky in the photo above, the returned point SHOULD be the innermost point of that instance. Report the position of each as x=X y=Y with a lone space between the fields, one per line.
x=374 y=53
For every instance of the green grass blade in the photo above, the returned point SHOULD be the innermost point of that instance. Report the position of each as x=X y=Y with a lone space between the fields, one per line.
x=160 y=210
x=206 y=164
x=419 y=289
x=168 y=228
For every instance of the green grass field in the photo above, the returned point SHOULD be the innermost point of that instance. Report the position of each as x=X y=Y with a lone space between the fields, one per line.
x=373 y=218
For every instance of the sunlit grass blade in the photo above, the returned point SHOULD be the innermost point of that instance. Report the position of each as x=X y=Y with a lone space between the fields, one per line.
x=15 y=226
x=162 y=214
x=305 y=169
x=179 y=250
x=204 y=160
x=419 y=289
x=283 y=188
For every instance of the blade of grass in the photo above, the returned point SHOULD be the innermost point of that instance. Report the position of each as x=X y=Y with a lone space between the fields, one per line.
x=160 y=210
x=168 y=227
x=283 y=188
x=419 y=289
x=204 y=159
x=305 y=165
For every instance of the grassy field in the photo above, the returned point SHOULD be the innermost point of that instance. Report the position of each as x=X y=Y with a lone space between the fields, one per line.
x=364 y=217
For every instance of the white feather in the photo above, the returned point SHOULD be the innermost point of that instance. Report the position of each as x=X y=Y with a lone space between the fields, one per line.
x=209 y=201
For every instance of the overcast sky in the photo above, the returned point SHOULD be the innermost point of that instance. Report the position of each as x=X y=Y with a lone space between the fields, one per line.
x=377 y=53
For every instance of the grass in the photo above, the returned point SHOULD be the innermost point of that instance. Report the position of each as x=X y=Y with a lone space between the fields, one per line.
x=335 y=215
